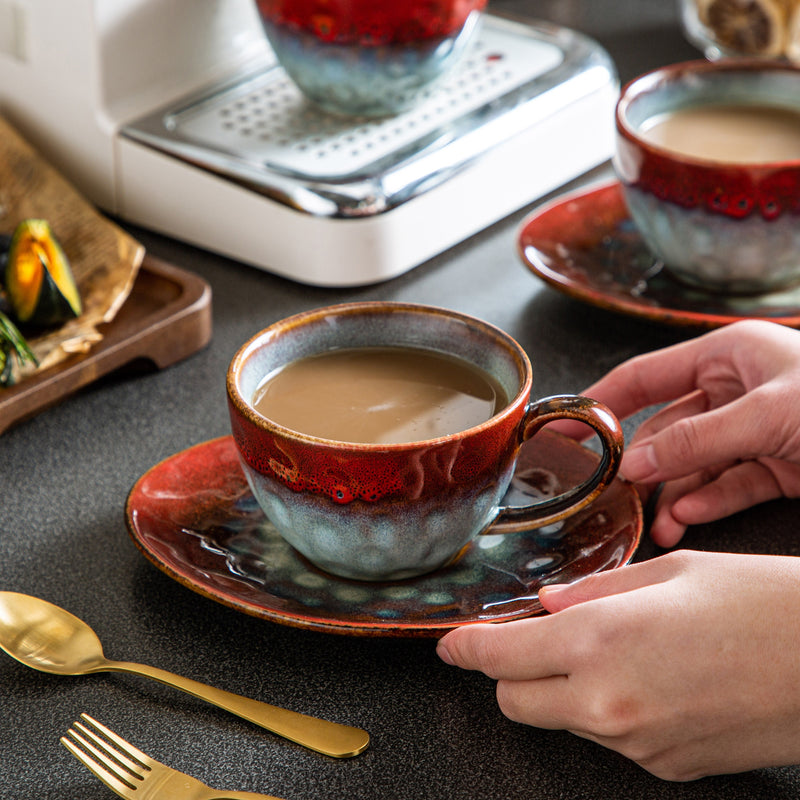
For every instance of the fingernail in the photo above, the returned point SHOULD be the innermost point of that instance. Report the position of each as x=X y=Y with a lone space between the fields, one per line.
x=553 y=590
x=549 y=597
x=639 y=463
x=443 y=653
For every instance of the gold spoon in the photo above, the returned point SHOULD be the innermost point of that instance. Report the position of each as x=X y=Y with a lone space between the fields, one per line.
x=50 y=639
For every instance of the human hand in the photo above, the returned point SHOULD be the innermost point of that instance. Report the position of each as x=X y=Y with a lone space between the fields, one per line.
x=687 y=664
x=730 y=436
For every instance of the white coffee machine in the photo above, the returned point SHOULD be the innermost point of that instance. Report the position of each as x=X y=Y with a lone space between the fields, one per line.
x=174 y=115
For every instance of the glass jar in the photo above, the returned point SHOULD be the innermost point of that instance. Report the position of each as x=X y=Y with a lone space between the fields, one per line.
x=750 y=28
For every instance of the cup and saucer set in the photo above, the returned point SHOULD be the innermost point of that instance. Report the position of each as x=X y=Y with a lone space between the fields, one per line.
x=699 y=229
x=406 y=535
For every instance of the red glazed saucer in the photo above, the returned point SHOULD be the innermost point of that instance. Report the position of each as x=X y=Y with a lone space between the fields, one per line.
x=194 y=517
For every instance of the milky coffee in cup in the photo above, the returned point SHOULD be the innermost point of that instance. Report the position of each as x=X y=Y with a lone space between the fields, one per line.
x=379 y=395
x=739 y=134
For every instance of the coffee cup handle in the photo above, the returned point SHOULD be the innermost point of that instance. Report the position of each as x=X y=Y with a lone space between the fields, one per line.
x=554 y=509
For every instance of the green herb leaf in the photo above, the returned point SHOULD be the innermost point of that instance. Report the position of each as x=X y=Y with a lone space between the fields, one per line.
x=12 y=345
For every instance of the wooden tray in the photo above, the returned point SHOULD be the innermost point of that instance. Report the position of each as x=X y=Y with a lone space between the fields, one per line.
x=166 y=318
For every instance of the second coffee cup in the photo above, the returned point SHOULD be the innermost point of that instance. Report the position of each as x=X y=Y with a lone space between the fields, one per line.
x=380 y=438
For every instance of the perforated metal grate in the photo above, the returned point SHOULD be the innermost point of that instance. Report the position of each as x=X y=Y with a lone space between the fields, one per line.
x=261 y=132
x=268 y=121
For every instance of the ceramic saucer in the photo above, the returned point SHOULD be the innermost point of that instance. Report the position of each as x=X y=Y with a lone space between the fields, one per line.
x=194 y=517
x=586 y=245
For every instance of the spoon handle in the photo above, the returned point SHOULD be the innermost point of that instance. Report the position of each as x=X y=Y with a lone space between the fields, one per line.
x=328 y=738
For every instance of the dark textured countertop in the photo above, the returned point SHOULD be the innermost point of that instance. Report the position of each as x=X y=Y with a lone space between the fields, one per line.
x=436 y=731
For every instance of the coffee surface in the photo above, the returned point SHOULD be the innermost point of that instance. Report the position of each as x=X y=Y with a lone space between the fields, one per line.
x=379 y=395
x=740 y=134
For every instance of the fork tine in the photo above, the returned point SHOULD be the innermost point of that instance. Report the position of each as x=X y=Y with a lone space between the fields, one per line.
x=112 y=761
x=122 y=769
x=108 y=778
x=126 y=747
x=129 y=756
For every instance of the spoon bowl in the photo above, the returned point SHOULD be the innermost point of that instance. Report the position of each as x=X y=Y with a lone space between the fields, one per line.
x=48 y=638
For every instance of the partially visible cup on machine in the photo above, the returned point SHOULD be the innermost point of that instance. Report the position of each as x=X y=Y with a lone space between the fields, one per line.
x=361 y=57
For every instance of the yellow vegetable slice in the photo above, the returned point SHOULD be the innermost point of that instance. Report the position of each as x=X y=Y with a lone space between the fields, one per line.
x=39 y=282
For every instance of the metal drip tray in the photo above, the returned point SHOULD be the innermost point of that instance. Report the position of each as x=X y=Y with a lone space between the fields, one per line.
x=259 y=131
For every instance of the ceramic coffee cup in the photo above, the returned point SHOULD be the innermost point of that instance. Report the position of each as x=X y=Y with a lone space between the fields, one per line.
x=361 y=57
x=373 y=511
x=708 y=155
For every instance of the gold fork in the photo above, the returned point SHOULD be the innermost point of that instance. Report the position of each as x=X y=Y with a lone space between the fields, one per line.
x=134 y=775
